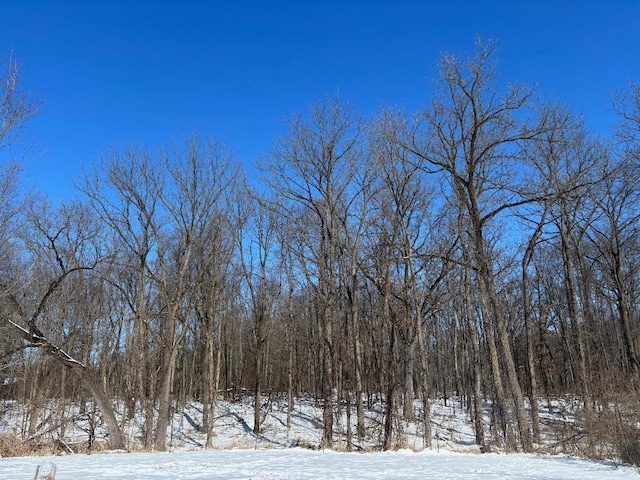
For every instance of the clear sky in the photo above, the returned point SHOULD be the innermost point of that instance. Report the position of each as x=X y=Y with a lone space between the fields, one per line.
x=153 y=72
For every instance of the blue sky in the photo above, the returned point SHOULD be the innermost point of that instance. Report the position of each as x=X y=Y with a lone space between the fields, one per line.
x=153 y=72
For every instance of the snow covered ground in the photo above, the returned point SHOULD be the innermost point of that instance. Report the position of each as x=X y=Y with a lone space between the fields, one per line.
x=297 y=463
x=451 y=426
x=275 y=454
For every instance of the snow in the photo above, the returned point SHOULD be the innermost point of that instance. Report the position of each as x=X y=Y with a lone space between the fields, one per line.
x=297 y=463
x=276 y=454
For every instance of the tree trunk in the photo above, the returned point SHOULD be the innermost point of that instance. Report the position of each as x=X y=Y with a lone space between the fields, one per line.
x=357 y=359
x=574 y=313
x=164 y=398
x=209 y=377
x=216 y=388
x=291 y=347
x=526 y=300
x=492 y=310
x=623 y=312
x=390 y=394
x=494 y=324
x=476 y=362
x=533 y=379
x=116 y=437
x=328 y=392
x=423 y=378
x=257 y=407
x=409 y=393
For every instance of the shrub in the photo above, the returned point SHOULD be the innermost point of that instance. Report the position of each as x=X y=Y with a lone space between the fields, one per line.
x=11 y=445
x=627 y=445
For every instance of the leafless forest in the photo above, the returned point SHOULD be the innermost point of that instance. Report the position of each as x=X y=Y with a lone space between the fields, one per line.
x=484 y=246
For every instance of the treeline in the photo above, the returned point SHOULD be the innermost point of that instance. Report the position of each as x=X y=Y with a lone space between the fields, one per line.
x=484 y=246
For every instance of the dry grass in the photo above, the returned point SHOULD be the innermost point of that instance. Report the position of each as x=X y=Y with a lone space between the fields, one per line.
x=12 y=445
x=86 y=447
x=610 y=430
x=612 y=434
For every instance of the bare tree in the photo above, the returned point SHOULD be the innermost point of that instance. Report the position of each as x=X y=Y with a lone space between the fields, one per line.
x=62 y=245
x=575 y=168
x=614 y=235
x=215 y=287
x=16 y=108
x=549 y=154
x=16 y=105
x=256 y=244
x=61 y=242
x=311 y=174
x=123 y=190
x=627 y=105
x=471 y=136
x=200 y=177
x=163 y=211
x=404 y=231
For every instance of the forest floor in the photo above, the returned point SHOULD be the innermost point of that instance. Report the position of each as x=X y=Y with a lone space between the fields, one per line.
x=279 y=452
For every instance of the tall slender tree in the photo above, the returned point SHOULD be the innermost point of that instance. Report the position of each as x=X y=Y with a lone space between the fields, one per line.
x=471 y=137
x=311 y=173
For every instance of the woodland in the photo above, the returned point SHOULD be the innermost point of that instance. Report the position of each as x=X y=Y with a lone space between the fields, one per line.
x=484 y=247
